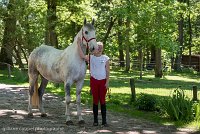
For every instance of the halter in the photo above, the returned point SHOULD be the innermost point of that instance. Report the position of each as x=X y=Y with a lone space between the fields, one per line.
x=87 y=51
x=83 y=38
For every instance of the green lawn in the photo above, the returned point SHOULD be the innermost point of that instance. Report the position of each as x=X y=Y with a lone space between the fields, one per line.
x=120 y=97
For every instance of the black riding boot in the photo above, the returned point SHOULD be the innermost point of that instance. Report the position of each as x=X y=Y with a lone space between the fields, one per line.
x=95 y=113
x=103 y=113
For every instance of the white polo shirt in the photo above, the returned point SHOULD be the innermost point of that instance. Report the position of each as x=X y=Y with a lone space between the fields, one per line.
x=98 y=66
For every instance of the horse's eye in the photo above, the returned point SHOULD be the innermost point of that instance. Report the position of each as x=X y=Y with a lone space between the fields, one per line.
x=86 y=32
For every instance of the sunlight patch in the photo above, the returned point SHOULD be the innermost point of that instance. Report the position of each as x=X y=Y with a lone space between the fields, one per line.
x=115 y=121
x=104 y=131
x=17 y=116
x=149 y=132
x=14 y=113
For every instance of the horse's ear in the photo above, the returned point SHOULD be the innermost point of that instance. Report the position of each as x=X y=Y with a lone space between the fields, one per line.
x=93 y=21
x=85 y=21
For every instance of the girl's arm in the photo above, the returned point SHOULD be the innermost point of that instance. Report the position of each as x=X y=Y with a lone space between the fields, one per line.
x=82 y=55
x=107 y=74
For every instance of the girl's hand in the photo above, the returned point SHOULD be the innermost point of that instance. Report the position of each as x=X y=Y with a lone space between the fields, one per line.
x=107 y=85
x=86 y=58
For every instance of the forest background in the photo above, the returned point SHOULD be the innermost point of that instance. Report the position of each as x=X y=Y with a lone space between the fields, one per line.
x=136 y=33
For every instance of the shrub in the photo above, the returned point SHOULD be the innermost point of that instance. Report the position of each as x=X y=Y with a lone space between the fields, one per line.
x=178 y=106
x=146 y=102
x=20 y=75
x=196 y=108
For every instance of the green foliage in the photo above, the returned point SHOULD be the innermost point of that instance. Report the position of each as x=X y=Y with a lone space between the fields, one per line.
x=196 y=107
x=20 y=75
x=117 y=99
x=188 y=70
x=178 y=106
x=17 y=76
x=146 y=102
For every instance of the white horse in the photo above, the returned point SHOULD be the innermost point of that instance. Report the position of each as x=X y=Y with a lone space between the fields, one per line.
x=60 y=66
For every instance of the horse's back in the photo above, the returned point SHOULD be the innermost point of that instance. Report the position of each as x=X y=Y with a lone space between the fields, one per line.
x=57 y=65
x=42 y=58
x=44 y=50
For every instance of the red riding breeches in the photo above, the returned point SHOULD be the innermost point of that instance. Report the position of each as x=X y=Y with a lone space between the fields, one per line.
x=98 y=90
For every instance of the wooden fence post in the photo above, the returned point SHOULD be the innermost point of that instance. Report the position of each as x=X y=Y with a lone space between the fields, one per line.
x=9 y=71
x=194 y=93
x=132 y=84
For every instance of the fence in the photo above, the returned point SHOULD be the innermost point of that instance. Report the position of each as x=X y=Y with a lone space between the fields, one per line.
x=9 y=68
x=194 y=62
x=133 y=92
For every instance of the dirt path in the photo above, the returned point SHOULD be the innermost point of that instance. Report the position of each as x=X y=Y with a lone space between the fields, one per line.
x=13 y=118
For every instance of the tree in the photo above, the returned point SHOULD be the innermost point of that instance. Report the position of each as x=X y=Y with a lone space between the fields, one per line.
x=177 y=66
x=51 y=36
x=158 y=52
x=189 y=33
x=127 y=44
x=8 y=42
x=129 y=29
x=120 y=40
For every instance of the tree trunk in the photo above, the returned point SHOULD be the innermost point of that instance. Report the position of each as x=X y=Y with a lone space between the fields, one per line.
x=140 y=62
x=127 y=44
x=177 y=66
x=20 y=42
x=51 y=36
x=9 y=35
x=18 y=57
x=25 y=57
x=158 y=50
x=120 y=40
x=151 y=64
x=190 y=34
x=112 y=22
x=172 y=61
x=28 y=38
x=158 y=67
x=147 y=56
x=190 y=39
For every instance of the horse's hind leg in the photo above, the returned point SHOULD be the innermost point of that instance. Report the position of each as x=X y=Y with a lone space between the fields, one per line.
x=32 y=85
x=41 y=93
x=79 y=86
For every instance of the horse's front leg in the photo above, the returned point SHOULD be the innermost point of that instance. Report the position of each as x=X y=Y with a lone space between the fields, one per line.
x=68 y=100
x=79 y=86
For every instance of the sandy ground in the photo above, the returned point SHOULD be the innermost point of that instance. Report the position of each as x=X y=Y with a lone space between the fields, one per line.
x=13 y=118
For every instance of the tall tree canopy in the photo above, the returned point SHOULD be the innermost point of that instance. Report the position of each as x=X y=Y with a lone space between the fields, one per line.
x=150 y=32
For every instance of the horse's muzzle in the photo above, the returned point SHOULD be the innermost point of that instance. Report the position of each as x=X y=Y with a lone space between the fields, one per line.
x=92 y=49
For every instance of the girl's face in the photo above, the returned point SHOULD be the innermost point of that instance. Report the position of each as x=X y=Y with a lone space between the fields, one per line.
x=100 y=48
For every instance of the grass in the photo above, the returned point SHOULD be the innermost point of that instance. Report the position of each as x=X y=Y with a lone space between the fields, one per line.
x=18 y=77
x=119 y=100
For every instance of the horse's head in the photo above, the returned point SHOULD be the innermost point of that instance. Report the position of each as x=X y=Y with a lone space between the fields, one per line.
x=88 y=36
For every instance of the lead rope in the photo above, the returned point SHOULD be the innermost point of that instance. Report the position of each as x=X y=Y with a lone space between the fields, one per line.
x=89 y=73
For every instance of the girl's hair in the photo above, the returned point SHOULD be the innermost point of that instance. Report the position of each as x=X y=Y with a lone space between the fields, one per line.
x=100 y=43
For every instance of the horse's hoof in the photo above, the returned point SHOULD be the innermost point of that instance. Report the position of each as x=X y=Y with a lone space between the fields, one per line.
x=69 y=122
x=30 y=115
x=81 y=122
x=43 y=115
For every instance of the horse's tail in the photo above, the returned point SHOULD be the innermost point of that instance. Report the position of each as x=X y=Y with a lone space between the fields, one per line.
x=35 y=97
